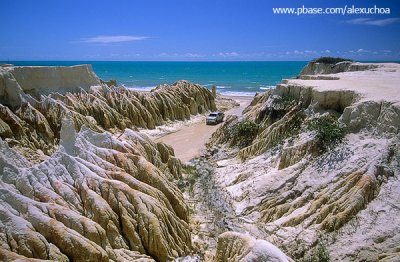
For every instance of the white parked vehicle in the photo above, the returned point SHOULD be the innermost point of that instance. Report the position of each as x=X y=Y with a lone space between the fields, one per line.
x=215 y=118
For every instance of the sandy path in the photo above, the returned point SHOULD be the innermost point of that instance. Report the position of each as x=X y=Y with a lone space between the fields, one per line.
x=189 y=141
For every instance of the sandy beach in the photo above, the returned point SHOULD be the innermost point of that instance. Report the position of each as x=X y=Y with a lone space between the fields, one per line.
x=189 y=140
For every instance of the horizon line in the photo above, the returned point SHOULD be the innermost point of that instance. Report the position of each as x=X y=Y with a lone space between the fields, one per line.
x=185 y=61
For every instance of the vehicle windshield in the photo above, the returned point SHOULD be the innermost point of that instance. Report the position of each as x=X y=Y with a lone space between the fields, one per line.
x=213 y=115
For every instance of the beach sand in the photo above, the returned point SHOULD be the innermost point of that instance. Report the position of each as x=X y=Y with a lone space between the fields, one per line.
x=190 y=139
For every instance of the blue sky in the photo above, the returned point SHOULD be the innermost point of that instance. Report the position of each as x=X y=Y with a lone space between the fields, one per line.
x=194 y=30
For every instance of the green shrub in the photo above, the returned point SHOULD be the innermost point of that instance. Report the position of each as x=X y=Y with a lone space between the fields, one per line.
x=189 y=169
x=285 y=101
x=189 y=180
x=319 y=254
x=245 y=132
x=331 y=60
x=329 y=131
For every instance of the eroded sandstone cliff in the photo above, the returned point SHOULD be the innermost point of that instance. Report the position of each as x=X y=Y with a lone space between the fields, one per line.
x=318 y=68
x=77 y=182
x=312 y=198
x=98 y=198
x=35 y=99
x=236 y=247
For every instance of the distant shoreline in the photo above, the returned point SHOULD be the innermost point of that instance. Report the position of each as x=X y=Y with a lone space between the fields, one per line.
x=224 y=94
x=246 y=78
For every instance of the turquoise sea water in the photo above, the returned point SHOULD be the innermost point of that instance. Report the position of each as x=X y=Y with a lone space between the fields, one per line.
x=231 y=78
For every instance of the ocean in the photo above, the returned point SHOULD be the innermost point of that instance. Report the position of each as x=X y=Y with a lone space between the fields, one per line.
x=230 y=78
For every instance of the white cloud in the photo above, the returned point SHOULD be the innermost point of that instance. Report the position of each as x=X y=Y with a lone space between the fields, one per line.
x=310 y=52
x=359 y=21
x=124 y=56
x=376 y=22
x=370 y=53
x=228 y=54
x=304 y=52
x=112 y=39
x=193 y=55
x=363 y=51
x=180 y=55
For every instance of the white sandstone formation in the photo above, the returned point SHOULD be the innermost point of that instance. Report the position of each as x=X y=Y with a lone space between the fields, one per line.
x=344 y=202
x=318 y=68
x=236 y=247
x=98 y=198
x=30 y=117
x=77 y=182
x=20 y=81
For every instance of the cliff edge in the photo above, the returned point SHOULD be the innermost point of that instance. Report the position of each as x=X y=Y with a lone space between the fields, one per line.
x=16 y=82
x=331 y=65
